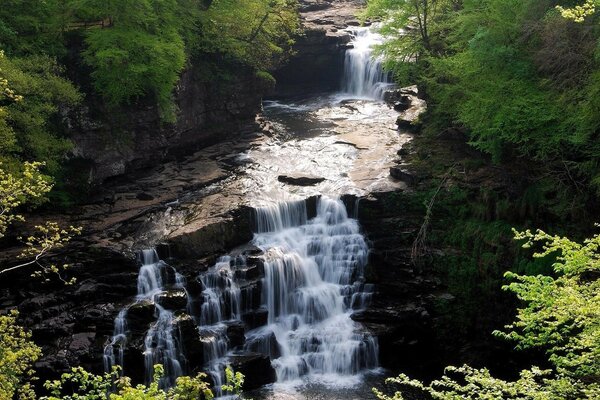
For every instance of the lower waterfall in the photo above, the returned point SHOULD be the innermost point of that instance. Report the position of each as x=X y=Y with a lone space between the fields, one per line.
x=307 y=279
x=313 y=270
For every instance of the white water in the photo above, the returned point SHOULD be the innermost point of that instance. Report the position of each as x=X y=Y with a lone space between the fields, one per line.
x=364 y=77
x=160 y=345
x=313 y=271
x=313 y=279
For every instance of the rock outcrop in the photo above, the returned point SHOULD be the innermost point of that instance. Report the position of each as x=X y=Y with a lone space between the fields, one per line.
x=110 y=143
x=319 y=59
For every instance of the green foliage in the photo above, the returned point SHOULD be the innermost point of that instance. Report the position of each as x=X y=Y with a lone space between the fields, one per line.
x=32 y=27
x=17 y=355
x=563 y=312
x=258 y=33
x=516 y=75
x=561 y=315
x=30 y=186
x=81 y=385
x=27 y=122
x=140 y=53
x=138 y=48
x=234 y=381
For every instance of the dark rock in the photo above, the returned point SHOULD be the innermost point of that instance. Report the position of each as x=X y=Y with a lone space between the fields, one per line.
x=144 y=197
x=403 y=175
x=174 y=299
x=191 y=340
x=300 y=180
x=405 y=124
x=201 y=238
x=236 y=334
x=264 y=344
x=403 y=152
x=403 y=104
x=251 y=293
x=139 y=316
x=256 y=318
x=256 y=368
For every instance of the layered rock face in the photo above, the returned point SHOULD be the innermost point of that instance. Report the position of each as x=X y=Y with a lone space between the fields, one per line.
x=319 y=56
x=115 y=142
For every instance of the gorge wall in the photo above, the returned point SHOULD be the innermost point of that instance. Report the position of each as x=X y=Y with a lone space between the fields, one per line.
x=115 y=142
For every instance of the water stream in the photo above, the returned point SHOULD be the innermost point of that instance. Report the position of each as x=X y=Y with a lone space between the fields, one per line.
x=310 y=262
x=364 y=77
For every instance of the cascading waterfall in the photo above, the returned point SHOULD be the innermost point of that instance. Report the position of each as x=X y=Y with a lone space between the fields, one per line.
x=311 y=279
x=364 y=76
x=160 y=344
x=313 y=274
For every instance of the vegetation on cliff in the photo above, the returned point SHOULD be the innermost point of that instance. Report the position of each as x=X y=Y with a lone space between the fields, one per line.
x=121 y=52
x=518 y=77
x=560 y=316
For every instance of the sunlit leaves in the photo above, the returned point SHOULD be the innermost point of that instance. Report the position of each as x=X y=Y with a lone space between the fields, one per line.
x=579 y=12
x=560 y=314
x=17 y=355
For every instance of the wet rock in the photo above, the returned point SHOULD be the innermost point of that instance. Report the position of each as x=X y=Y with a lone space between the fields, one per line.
x=403 y=104
x=254 y=269
x=403 y=152
x=174 y=299
x=406 y=124
x=256 y=368
x=254 y=319
x=264 y=344
x=403 y=175
x=139 y=316
x=191 y=340
x=251 y=293
x=300 y=180
x=144 y=196
x=201 y=237
x=236 y=333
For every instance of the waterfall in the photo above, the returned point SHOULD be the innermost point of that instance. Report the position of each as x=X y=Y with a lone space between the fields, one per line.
x=160 y=344
x=364 y=76
x=306 y=275
x=313 y=277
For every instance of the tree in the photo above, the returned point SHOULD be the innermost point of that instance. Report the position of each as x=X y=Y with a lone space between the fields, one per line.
x=17 y=355
x=258 y=33
x=83 y=385
x=27 y=185
x=32 y=95
x=560 y=315
x=579 y=12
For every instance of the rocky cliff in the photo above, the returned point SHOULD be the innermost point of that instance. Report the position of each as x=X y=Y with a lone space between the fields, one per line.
x=318 y=62
x=120 y=141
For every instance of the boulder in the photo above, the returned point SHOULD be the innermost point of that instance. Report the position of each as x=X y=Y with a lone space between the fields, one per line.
x=256 y=368
x=264 y=343
x=300 y=180
x=254 y=319
x=139 y=317
x=403 y=175
x=236 y=333
x=174 y=299
x=191 y=342
x=406 y=124
x=403 y=103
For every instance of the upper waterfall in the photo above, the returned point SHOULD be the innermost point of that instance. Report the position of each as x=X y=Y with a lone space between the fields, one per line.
x=364 y=76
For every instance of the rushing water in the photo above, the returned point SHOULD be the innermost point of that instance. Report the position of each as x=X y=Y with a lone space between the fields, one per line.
x=312 y=260
x=364 y=76
x=312 y=271
x=160 y=344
